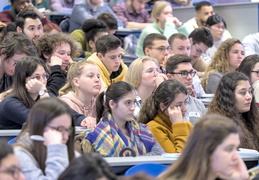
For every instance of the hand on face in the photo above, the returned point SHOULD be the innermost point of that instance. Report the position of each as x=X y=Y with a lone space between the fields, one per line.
x=55 y=60
x=2 y=25
x=175 y=114
x=52 y=136
x=27 y=7
x=239 y=172
x=160 y=78
x=34 y=86
x=88 y=122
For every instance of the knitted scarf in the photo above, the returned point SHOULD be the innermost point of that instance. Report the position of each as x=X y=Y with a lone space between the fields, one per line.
x=108 y=140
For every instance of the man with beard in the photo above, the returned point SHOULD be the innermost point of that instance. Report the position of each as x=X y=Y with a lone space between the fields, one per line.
x=8 y=16
x=28 y=23
x=87 y=10
x=133 y=13
x=203 y=11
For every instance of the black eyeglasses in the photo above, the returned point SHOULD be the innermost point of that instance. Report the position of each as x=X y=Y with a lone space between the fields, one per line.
x=162 y=49
x=257 y=73
x=13 y=171
x=62 y=129
x=184 y=74
x=38 y=77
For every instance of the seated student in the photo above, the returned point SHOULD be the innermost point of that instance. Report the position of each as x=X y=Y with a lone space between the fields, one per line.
x=227 y=58
x=86 y=37
x=143 y=74
x=234 y=99
x=155 y=45
x=116 y=128
x=108 y=59
x=30 y=79
x=163 y=112
x=63 y=5
x=11 y=27
x=57 y=50
x=8 y=16
x=13 y=47
x=217 y=26
x=164 y=23
x=90 y=166
x=133 y=13
x=47 y=157
x=210 y=153
x=250 y=67
x=180 y=44
x=109 y=20
x=88 y=9
x=251 y=44
x=9 y=165
x=179 y=67
x=80 y=91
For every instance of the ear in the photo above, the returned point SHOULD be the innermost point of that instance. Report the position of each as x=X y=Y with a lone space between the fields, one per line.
x=147 y=51
x=46 y=56
x=100 y=56
x=169 y=76
x=190 y=39
x=18 y=29
x=75 y=82
x=112 y=104
x=91 y=44
x=162 y=107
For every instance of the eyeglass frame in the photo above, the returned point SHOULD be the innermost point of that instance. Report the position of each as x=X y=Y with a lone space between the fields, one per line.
x=192 y=73
x=257 y=73
x=38 y=77
x=13 y=171
x=63 y=130
x=162 y=48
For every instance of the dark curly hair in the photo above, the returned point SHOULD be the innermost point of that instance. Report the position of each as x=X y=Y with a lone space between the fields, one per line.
x=48 y=42
x=224 y=103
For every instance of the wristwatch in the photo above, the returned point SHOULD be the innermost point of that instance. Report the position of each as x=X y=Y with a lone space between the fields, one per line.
x=42 y=92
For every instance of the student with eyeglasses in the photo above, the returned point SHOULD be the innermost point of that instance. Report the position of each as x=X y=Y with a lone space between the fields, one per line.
x=227 y=58
x=164 y=23
x=164 y=113
x=250 y=67
x=179 y=67
x=9 y=164
x=45 y=146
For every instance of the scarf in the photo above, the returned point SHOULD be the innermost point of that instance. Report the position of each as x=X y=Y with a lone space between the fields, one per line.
x=108 y=140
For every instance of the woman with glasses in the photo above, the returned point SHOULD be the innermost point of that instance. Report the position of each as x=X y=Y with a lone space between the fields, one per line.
x=217 y=26
x=164 y=23
x=9 y=164
x=226 y=59
x=234 y=99
x=29 y=85
x=143 y=74
x=250 y=67
x=45 y=146
x=163 y=112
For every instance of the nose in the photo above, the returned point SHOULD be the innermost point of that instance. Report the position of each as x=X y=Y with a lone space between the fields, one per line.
x=235 y=156
x=21 y=176
x=142 y=5
x=249 y=96
x=183 y=108
x=65 y=136
x=186 y=52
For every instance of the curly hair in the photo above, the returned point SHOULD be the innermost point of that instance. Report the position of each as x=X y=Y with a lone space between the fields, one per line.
x=48 y=42
x=220 y=60
x=224 y=103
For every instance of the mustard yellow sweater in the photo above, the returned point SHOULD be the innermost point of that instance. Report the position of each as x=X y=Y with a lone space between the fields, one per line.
x=171 y=137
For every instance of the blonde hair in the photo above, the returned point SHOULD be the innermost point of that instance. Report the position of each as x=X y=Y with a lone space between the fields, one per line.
x=159 y=6
x=134 y=73
x=220 y=60
x=75 y=70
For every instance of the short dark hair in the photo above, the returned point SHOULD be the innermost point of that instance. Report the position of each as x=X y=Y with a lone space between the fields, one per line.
x=202 y=35
x=109 y=20
x=176 y=36
x=174 y=60
x=22 y=16
x=199 y=5
x=149 y=39
x=92 y=27
x=215 y=19
x=107 y=43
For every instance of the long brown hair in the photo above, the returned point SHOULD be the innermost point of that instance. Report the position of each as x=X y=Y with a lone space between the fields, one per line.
x=42 y=113
x=207 y=134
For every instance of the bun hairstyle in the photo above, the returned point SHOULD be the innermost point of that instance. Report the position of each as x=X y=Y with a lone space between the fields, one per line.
x=92 y=27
